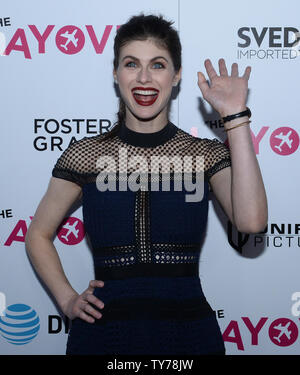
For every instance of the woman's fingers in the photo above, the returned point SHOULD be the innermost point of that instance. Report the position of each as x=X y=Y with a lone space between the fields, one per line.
x=210 y=69
x=82 y=315
x=95 y=284
x=223 y=68
x=234 y=70
x=223 y=71
x=86 y=311
x=95 y=301
x=202 y=83
x=247 y=73
x=87 y=308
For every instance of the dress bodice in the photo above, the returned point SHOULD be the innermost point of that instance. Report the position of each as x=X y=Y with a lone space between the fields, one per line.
x=139 y=210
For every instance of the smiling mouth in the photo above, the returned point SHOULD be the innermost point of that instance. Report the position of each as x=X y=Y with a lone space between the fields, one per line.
x=145 y=96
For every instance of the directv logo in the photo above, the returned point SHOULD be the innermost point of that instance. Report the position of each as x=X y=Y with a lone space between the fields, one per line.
x=19 y=324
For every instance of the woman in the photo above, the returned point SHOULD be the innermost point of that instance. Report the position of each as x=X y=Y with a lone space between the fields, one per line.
x=146 y=297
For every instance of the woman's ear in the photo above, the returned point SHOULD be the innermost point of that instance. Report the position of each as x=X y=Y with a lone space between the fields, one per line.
x=177 y=77
x=115 y=77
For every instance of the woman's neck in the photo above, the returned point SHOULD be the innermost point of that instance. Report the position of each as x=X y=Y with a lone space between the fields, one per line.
x=149 y=126
x=142 y=139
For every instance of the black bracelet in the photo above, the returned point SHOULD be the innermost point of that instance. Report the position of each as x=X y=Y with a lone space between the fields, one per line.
x=237 y=115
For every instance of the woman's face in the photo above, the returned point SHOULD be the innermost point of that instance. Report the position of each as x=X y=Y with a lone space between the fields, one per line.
x=145 y=76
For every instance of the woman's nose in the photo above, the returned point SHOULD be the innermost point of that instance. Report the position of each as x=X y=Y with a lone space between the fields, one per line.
x=144 y=75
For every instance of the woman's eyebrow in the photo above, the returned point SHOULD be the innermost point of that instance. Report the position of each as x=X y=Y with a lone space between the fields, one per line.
x=136 y=59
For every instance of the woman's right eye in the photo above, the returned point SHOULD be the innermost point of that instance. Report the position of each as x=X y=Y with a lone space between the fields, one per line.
x=130 y=64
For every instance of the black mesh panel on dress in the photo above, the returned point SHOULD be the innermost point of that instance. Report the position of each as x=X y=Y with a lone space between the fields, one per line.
x=78 y=163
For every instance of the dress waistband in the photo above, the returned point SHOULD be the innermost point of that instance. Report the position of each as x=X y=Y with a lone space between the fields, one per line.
x=155 y=308
x=147 y=270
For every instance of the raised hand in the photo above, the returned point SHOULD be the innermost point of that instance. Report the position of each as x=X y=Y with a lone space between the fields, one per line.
x=227 y=94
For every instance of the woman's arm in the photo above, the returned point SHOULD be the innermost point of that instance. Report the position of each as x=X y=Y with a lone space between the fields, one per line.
x=54 y=205
x=239 y=188
x=60 y=196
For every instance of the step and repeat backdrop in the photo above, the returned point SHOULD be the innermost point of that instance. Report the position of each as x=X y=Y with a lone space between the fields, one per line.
x=54 y=91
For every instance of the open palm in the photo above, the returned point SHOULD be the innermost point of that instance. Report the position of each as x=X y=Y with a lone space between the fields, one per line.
x=227 y=94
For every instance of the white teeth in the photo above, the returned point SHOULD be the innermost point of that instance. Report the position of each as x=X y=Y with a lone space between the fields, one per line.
x=145 y=92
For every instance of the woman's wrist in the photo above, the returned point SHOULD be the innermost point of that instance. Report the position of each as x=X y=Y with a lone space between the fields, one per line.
x=242 y=118
x=232 y=110
x=242 y=122
x=64 y=301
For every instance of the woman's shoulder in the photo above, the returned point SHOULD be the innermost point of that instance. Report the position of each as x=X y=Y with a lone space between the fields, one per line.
x=199 y=143
x=78 y=159
x=215 y=153
x=79 y=153
x=85 y=142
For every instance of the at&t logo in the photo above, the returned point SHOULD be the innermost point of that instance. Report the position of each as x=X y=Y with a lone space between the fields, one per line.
x=19 y=323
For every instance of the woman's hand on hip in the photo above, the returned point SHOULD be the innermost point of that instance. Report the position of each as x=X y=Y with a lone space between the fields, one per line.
x=81 y=305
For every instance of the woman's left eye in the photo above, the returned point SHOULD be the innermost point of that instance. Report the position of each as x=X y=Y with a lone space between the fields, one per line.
x=158 y=65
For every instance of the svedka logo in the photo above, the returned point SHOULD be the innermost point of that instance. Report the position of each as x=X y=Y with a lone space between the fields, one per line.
x=69 y=39
x=268 y=43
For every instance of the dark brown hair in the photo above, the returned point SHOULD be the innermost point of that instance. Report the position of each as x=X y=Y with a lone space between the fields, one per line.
x=142 y=27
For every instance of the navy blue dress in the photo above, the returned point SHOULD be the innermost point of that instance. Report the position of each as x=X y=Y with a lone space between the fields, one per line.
x=146 y=240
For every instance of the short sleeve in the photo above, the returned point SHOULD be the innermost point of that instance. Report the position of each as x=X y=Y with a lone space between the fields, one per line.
x=69 y=164
x=217 y=157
